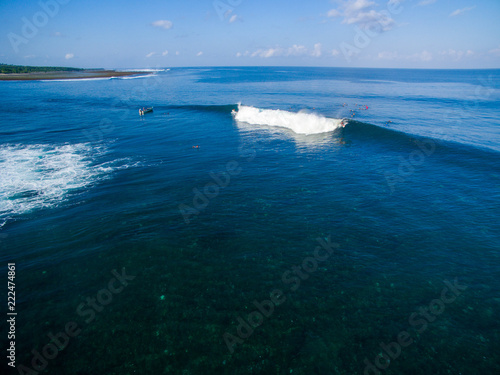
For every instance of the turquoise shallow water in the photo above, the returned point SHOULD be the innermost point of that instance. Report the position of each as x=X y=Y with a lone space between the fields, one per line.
x=163 y=238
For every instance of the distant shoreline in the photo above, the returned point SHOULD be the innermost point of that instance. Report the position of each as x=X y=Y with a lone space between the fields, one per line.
x=82 y=74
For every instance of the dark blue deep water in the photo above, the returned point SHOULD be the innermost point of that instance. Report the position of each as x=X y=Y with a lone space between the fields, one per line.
x=188 y=241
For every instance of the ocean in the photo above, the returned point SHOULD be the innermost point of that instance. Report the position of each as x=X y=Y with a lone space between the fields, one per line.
x=261 y=220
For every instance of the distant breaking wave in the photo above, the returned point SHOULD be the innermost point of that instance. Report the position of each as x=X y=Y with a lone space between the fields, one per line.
x=144 y=70
x=97 y=78
x=299 y=122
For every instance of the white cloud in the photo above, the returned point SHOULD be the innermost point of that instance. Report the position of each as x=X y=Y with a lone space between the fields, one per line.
x=386 y=55
x=460 y=11
x=392 y=55
x=150 y=54
x=371 y=19
x=424 y=56
x=361 y=12
x=266 y=53
x=317 y=50
x=263 y=53
x=239 y=54
x=177 y=53
x=426 y=2
x=232 y=17
x=457 y=55
x=335 y=53
x=356 y=5
x=295 y=51
x=199 y=53
x=164 y=53
x=58 y=34
x=495 y=51
x=69 y=56
x=334 y=13
x=164 y=24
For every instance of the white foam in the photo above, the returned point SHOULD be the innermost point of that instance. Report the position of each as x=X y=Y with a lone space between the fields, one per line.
x=103 y=78
x=135 y=77
x=38 y=176
x=144 y=70
x=300 y=123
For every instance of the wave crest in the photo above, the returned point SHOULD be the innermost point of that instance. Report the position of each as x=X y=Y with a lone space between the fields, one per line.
x=300 y=123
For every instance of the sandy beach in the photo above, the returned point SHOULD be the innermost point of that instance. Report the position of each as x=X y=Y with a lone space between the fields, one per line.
x=65 y=75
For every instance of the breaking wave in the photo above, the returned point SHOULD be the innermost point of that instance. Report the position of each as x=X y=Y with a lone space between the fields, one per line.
x=298 y=122
x=144 y=70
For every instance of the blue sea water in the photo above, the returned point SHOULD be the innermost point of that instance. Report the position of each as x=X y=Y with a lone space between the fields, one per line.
x=239 y=228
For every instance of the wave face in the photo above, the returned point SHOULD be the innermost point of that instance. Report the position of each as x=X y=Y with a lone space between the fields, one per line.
x=300 y=123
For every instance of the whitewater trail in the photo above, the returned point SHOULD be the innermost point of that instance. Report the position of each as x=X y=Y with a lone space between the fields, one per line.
x=39 y=175
x=300 y=123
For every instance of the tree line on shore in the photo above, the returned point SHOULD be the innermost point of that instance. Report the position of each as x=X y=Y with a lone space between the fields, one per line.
x=10 y=69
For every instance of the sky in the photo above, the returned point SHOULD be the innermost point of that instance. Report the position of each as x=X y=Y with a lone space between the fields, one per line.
x=434 y=34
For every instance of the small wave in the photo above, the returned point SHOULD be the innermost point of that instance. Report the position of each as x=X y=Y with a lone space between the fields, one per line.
x=101 y=78
x=135 y=77
x=40 y=176
x=144 y=70
x=300 y=122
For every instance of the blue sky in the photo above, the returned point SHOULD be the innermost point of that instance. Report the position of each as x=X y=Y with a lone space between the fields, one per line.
x=354 y=33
